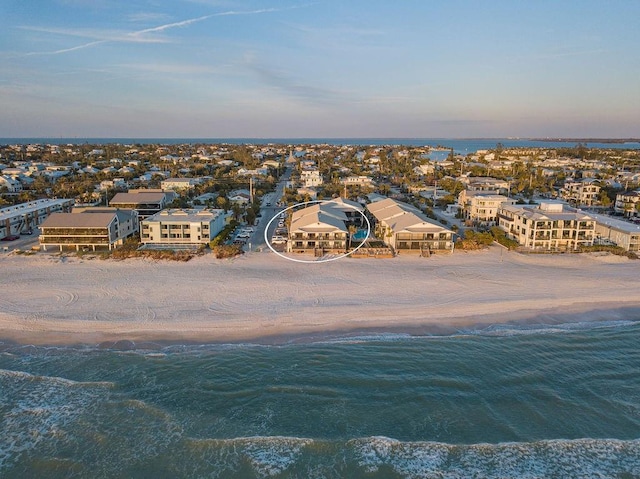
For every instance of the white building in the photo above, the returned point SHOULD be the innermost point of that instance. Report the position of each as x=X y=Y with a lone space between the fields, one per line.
x=25 y=216
x=628 y=203
x=177 y=184
x=12 y=185
x=111 y=184
x=311 y=178
x=548 y=226
x=358 y=180
x=485 y=183
x=618 y=232
x=582 y=192
x=182 y=227
x=481 y=207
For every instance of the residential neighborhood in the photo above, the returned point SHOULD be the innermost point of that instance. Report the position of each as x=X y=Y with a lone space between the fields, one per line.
x=419 y=200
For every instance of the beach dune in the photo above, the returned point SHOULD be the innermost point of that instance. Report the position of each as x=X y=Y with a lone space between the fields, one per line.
x=260 y=297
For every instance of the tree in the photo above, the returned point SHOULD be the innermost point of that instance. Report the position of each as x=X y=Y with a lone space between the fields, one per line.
x=352 y=230
x=603 y=198
x=237 y=211
x=250 y=215
x=223 y=202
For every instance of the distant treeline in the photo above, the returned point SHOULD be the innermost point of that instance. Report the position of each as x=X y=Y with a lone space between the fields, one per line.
x=590 y=140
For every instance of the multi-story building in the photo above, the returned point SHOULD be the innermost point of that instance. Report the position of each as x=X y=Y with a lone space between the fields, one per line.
x=485 y=183
x=582 y=192
x=628 y=203
x=320 y=228
x=405 y=229
x=311 y=178
x=481 y=207
x=11 y=184
x=361 y=180
x=88 y=228
x=177 y=228
x=618 y=232
x=145 y=202
x=178 y=184
x=27 y=216
x=548 y=226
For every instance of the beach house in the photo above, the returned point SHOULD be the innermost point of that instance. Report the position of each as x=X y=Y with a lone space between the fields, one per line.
x=583 y=192
x=628 y=203
x=179 y=184
x=145 y=202
x=548 y=226
x=485 y=183
x=407 y=230
x=480 y=207
x=182 y=228
x=320 y=228
x=88 y=228
x=311 y=177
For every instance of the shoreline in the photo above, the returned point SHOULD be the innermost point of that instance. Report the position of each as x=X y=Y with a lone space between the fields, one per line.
x=262 y=299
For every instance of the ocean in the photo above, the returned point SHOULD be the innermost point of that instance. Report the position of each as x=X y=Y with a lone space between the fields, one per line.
x=506 y=402
x=461 y=146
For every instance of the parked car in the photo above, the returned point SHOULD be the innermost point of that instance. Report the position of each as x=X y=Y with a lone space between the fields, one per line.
x=10 y=238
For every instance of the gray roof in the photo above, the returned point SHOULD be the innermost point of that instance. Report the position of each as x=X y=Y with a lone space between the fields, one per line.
x=122 y=214
x=403 y=217
x=319 y=217
x=138 y=198
x=78 y=220
x=616 y=223
x=32 y=206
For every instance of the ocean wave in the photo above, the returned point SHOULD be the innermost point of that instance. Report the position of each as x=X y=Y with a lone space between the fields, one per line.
x=160 y=351
x=44 y=416
x=377 y=456
x=505 y=330
x=267 y=456
x=37 y=409
x=579 y=458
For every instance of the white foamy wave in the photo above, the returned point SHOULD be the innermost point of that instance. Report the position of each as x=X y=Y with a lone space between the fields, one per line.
x=46 y=417
x=404 y=458
x=537 y=329
x=580 y=458
x=273 y=455
x=267 y=456
x=367 y=338
x=36 y=410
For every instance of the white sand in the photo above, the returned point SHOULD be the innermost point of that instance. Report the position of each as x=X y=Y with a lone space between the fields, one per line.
x=46 y=299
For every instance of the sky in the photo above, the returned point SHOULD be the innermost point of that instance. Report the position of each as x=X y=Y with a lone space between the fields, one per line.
x=319 y=68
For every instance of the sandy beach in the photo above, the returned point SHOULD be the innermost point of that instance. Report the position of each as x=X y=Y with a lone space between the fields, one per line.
x=259 y=297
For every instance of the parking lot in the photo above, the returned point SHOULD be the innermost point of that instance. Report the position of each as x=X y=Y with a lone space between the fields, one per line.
x=22 y=242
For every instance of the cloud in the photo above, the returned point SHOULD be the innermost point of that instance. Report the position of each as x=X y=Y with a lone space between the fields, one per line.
x=101 y=37
x=290 y=86
x=146 y=17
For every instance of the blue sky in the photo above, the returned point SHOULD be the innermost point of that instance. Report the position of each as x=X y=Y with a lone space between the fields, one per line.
x=323 y=68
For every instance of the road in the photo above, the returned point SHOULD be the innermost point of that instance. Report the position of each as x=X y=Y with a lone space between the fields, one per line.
x=256 y=242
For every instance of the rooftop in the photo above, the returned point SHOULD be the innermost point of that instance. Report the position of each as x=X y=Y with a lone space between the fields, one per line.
x=31 y=206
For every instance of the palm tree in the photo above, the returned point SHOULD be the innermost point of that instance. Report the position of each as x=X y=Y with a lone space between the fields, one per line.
x=352 y=230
